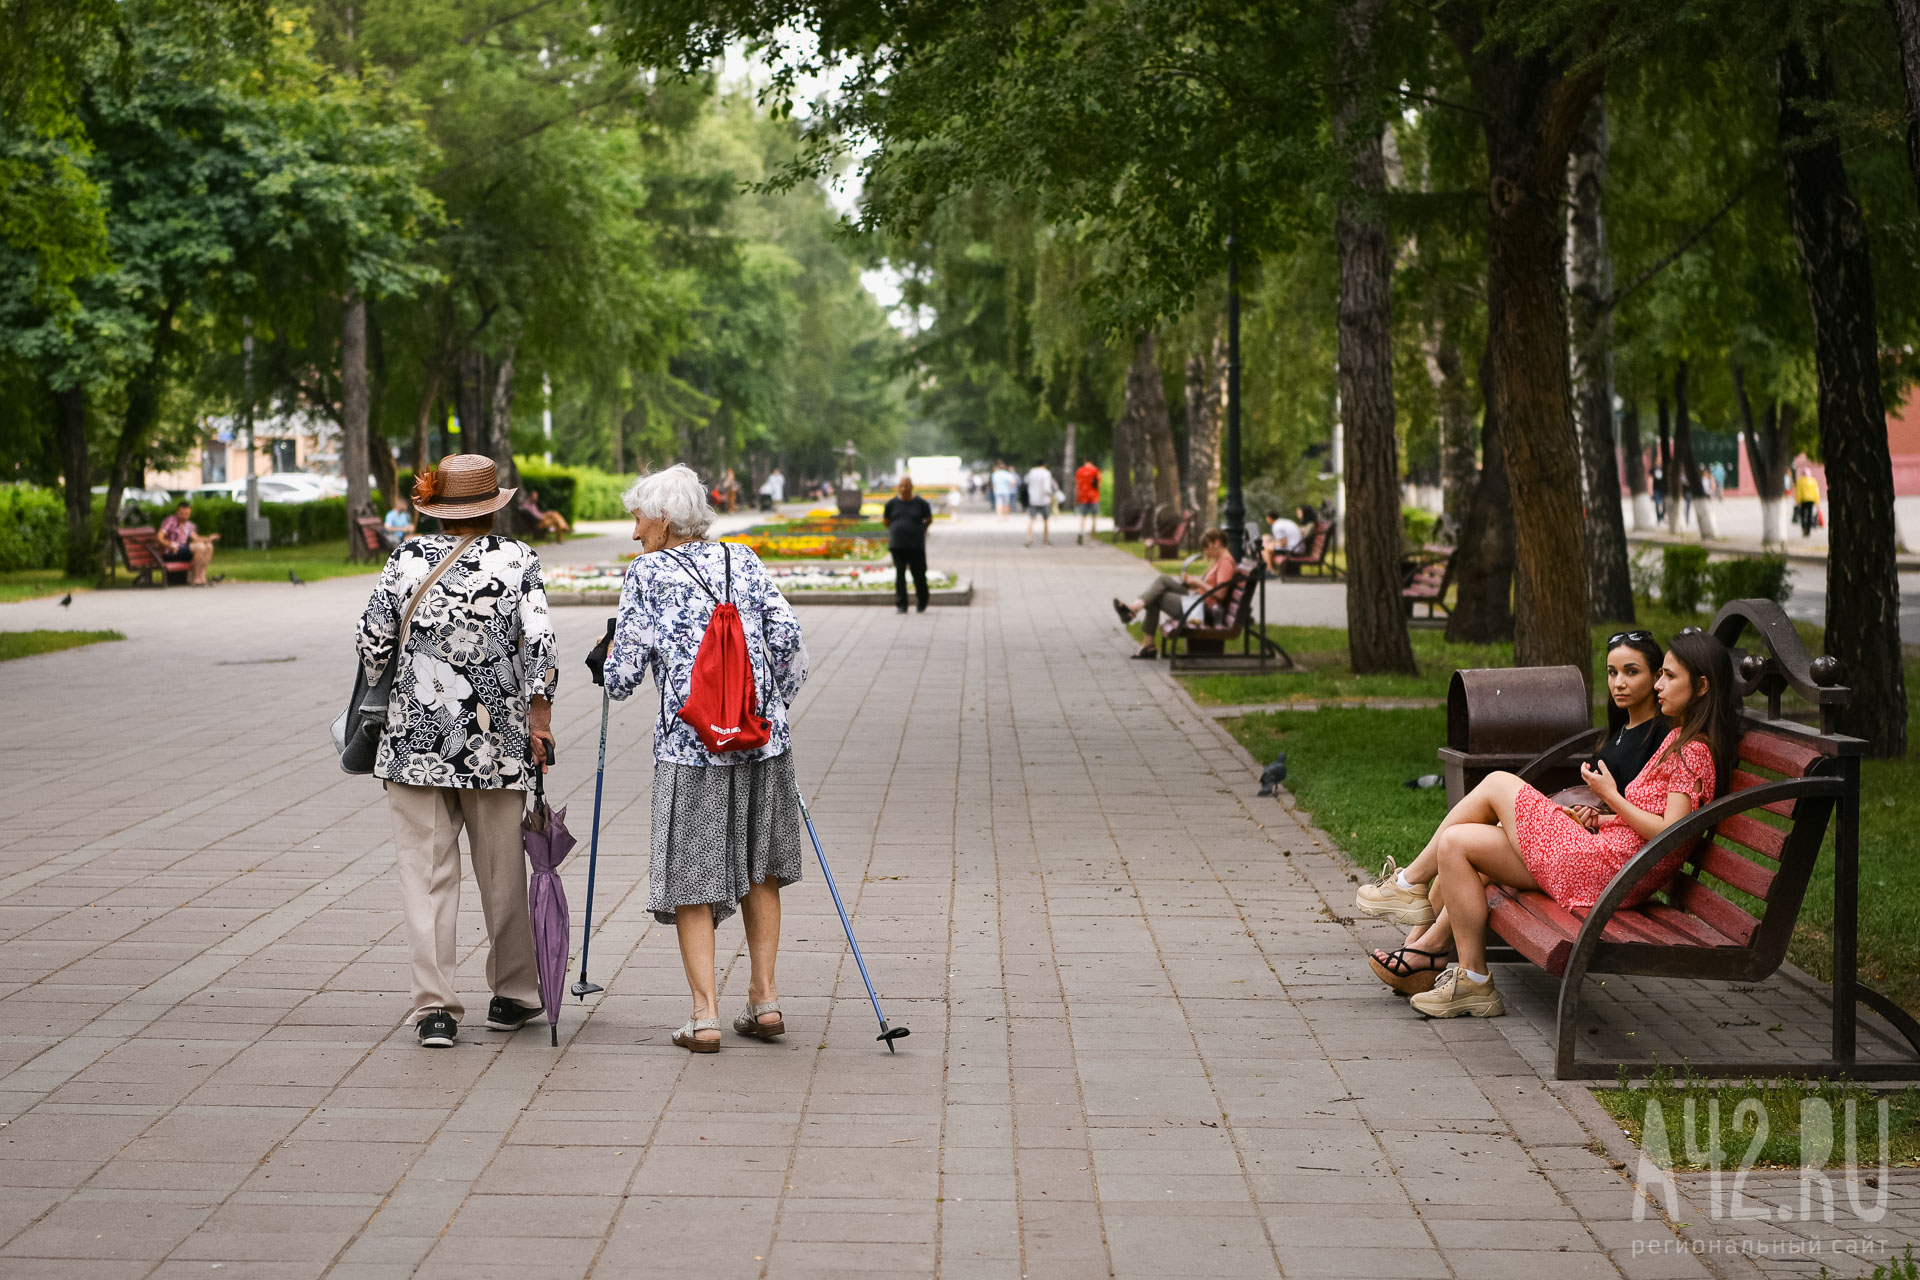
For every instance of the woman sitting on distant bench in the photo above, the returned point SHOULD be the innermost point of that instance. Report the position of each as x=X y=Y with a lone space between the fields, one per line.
x=1167 y=594
x=544 y=521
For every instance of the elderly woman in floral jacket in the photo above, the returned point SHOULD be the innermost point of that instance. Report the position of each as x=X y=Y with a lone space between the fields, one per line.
x=467 y=724
x=726 y=825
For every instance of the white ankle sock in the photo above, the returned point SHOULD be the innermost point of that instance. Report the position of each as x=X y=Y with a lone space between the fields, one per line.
x=1400 y=878
x=1471 y=976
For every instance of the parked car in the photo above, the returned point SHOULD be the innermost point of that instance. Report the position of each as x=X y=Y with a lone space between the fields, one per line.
x=279 y=486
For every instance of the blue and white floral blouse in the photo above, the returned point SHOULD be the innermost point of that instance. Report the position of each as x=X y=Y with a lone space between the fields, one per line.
x=663 y=618
x=479 y=646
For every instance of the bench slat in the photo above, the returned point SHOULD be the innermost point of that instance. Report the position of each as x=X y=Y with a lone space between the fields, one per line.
x=1735 y=870
x=1751 y=833
x=1691 y=896
x=1742 y=780
x=1697 y=931
x=1780 y=754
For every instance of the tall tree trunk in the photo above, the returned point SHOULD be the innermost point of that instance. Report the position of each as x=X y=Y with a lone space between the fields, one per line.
x=380 y=464
x=1863 y=594
x=1204 y=386
x=470 y=403
x=423 y=424
x=1769 y=441
x=70 y=434
x=1533 y=108
x=353 y=418
x=1458 y=472
x=1684 y=463
x=136 y=424
x=1906 y=21
x=500 y=433
x=1669 y=473
x=1483 y=563
x=1144 y=391
x=1156 y=422
x=1376 y=616
x=1634 y=454
x=1590 y=293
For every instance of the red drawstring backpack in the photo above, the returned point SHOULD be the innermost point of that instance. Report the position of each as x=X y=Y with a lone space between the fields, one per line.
x=722 y=702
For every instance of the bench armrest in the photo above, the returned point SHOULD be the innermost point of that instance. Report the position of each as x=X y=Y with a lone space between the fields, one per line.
x=1205 y=597
x=1695 y=824
x=1568 y=749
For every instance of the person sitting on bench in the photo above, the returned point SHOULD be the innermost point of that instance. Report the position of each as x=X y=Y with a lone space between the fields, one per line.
x=1635 y=728
x=1166 y=594
x=1506 y=832
x=544 y=521
x=398 y=525
x=183 y=546
x=1289 y=537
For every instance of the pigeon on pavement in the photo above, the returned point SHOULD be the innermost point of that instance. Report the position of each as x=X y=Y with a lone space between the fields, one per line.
x=294 y=577
x=1274 y=774
x=66 y=601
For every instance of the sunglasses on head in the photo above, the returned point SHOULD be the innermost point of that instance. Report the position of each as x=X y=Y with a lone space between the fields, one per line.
x=1619 y=636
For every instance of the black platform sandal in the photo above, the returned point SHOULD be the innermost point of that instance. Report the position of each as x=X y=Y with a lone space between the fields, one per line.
x=1403 y=975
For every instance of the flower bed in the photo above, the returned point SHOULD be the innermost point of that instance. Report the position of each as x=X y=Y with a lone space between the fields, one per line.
x=598 y=583
x=811 y=546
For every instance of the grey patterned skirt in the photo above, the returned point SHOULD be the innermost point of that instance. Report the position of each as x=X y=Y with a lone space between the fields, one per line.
x=719 y=829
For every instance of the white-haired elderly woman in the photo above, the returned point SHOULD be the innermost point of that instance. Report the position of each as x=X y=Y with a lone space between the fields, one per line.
x=726 y=825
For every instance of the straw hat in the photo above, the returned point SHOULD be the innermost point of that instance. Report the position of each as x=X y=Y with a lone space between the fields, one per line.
x=464 y=485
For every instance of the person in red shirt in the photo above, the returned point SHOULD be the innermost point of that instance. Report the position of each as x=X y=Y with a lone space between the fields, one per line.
x=1086 y=499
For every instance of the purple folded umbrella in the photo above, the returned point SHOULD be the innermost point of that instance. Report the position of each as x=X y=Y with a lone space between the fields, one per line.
x=544 y=834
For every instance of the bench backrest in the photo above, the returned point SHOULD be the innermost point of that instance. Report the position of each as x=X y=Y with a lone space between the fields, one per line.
x=370 y=531
x=1428 y=579
x=140 y=548
x=1239 y=598
x=1747 y=881
x=1316 y=545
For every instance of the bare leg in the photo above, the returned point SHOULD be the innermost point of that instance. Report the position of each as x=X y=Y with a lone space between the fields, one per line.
x=1488 y=803
x=202 y=557
x=1465 y=854
x=761 y=907
x=695 y=927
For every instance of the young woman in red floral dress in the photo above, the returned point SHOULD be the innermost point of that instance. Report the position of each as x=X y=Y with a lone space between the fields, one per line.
x=1506 y=832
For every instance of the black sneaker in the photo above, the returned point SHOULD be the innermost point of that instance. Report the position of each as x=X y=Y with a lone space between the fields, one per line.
x=510 y=1015
x=438 y=1030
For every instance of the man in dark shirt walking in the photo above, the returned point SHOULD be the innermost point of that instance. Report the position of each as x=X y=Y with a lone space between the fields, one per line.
x=907 y=519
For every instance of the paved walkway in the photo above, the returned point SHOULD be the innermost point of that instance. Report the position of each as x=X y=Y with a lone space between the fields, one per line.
x=1141 y=1045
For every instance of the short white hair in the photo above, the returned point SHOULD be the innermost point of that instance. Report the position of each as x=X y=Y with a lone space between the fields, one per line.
x=674 y=495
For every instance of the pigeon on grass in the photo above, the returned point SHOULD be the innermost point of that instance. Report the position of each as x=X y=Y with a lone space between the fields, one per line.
x=1274 y=774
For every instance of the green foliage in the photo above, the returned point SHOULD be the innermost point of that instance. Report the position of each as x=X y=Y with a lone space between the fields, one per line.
x=1417 y=526
x=1749 y=577
x=293 y=523
x=33 y=528
x=1711 y=1126
x=1683 y=571
x=578 y=493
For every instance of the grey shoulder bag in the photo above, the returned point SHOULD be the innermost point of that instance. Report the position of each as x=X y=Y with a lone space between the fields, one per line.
x=357 y=730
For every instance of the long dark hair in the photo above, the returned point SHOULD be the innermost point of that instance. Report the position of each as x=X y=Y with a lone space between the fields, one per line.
x=1642 y=643
x=1714 y=719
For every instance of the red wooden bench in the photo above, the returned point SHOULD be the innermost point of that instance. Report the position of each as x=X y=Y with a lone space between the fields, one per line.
x=140 y=552
x=1170 y=543
x=1428 y=586
x=1135 y=524
x=1318 y=554
x=1207 y=640
x=1729 y=913
x=373 y=534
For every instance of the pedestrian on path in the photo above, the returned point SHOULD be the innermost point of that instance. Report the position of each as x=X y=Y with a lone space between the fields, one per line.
x=726 y=824
x=907 y=518
x=1167 y=594
x=469 y=721
x=1003 y=483
x=1506 y=832
x=1041 y=492
x=1806 y=501
x=1086 y=499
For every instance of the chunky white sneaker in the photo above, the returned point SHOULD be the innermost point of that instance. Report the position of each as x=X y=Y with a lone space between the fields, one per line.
x=1386 y=899
x=1456 y=994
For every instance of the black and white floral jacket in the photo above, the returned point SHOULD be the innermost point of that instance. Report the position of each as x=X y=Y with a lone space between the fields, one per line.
x=479 y=646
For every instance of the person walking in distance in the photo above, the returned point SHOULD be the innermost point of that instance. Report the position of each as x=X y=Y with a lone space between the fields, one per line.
x=907 y=518
x=1003 y=482
x=1806 y=501
x=1041 y=491
x=1086 y=500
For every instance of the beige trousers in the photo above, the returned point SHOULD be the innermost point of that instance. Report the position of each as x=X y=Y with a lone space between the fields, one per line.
x=426 y=850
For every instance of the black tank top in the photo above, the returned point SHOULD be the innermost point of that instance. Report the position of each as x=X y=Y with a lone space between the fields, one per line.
x=1627 y=750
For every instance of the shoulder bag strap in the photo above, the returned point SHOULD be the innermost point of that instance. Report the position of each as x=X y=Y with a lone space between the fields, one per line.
x=406 y=619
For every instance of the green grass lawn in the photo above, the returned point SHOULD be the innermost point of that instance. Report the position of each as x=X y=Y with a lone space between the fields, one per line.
x=1345 y=767
x=1722 y=1141
x=1322 y=651
x=31 y=584
x=24 y=644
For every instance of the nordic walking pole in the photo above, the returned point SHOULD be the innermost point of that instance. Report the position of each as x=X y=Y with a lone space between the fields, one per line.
x=583 y=988
x=887 y=1034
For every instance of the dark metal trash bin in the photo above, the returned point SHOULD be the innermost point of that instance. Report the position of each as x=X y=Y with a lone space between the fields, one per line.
x=1502 y=717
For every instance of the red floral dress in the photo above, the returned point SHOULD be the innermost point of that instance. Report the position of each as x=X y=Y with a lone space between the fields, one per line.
x=1575 y=865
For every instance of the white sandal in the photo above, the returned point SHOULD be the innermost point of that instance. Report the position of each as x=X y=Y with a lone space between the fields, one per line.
x=687 y=1037
x=749 y=1024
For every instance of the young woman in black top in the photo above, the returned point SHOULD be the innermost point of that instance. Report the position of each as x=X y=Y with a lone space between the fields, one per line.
x=1635 y=729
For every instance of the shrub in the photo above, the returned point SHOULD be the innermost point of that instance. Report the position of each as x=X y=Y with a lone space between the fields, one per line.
x=1644 y=572
x=1749 y=577
x=1682 y=573
x=33 y=528
x=578 y=493
x=290 y=524
x=1417 y=526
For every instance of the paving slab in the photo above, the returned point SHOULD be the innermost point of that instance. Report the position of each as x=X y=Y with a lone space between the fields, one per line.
x=1143 y=1043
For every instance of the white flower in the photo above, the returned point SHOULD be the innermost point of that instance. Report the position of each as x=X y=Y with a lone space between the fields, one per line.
x=427 y=770
x=460 y=641
x=437 y=684
x=432 y=611
x=503 y=563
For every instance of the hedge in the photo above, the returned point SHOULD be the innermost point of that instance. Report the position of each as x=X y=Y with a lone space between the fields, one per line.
x=1683 y=569
x=578 y=493
x=291 y=524
x=1749 y=577
x=33 y=528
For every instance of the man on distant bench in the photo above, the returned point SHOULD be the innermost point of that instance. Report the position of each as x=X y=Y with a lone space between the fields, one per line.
x=183 y=546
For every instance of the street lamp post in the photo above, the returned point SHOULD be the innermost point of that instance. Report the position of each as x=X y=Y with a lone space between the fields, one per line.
x=1236 y=510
